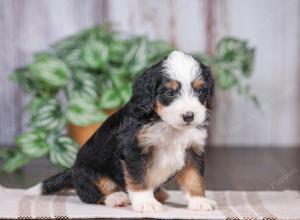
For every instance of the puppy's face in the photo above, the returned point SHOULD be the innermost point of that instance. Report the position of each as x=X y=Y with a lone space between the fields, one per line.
x=183 y=93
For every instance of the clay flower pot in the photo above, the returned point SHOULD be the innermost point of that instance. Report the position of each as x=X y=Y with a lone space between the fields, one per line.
x=82 y=133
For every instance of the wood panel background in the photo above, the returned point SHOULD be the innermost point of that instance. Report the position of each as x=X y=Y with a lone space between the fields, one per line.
x=271 y=26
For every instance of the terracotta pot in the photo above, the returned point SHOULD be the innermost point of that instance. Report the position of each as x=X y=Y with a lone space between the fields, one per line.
x=82 y=133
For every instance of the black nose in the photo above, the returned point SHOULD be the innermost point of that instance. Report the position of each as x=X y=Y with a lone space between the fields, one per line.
x=188 y=116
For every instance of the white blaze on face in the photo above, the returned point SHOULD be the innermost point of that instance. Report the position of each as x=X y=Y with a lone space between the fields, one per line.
x=185 y=69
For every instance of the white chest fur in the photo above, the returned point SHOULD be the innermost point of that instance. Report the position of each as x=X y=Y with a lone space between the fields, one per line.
x=168 y=148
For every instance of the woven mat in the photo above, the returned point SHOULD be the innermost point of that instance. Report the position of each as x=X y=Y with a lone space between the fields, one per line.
x=14 y=203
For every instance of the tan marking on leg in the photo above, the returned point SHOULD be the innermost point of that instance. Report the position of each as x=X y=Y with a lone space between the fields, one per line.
x=106 y=185
x=161 y=195
x=191 y=181
x=131 y=184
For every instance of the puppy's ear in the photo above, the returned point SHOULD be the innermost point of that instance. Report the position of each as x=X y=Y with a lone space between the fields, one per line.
x=211 y=85
x=143 y=91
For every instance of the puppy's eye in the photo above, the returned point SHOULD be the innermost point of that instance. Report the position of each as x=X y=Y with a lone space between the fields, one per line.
x=202 y=91
x=170 y=92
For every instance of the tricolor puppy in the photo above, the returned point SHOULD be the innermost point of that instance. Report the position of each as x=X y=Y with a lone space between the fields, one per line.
x=158 y=135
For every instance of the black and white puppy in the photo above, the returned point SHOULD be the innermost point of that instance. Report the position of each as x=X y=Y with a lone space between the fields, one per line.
x=159 y=134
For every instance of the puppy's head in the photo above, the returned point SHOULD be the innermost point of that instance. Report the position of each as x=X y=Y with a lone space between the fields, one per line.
x=179 y=90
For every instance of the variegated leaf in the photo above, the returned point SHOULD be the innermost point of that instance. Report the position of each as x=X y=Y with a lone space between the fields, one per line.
x=51 y=72
x=83 y=112
x=33 y=144
x=15 y=162
x=110 y=99
x=63 y=151
x=47 y=115
x=95 y=54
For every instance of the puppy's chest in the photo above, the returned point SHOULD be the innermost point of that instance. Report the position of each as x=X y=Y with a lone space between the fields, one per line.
x=167 y=147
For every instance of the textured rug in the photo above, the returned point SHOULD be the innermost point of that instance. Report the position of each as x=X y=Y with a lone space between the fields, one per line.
x=14 y=203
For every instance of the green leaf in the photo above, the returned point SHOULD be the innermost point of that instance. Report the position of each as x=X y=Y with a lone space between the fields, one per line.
x=15 y=162
x=35 y=104
x=85 y=87
x=233 y=64
x=229 y=49
x=117 y=50
x=125 y=92
x=225 y=78
x=46 y=114
x=50 y=71
x=69 y=50
x=247 y=63
x=63 y=152
x=95 y=54
x=25 y=79
x=5 y=153
x=73 y=59
x=137 y=56
x=42 y=56
x=33 y=144
x=119 y=76
x=110 y=99
x=82 y=112
x=236 y=55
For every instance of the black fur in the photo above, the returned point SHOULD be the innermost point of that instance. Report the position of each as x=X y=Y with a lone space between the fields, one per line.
x=143 y=90
x=115 y=142
x=210 y=85
x=57 y=182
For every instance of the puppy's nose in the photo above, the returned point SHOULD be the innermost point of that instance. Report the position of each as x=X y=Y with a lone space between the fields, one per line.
x=188 y=116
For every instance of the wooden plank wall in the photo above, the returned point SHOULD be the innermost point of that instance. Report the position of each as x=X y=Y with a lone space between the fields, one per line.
x=26 y=27
x=272 y=26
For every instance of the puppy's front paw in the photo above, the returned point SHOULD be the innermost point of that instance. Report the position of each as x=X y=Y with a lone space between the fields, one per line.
x=201 y=204
x=147 y=205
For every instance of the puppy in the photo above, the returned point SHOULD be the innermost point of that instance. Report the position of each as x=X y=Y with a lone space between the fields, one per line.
x=158 y=135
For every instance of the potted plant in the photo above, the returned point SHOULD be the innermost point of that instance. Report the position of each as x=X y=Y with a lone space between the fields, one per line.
x=82 y=79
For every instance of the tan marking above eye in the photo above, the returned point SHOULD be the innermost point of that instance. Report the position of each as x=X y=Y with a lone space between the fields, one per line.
x=172 y=85
x=198 y=83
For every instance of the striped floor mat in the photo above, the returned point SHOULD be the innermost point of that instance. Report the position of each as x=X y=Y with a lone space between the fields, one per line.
x=14 y=203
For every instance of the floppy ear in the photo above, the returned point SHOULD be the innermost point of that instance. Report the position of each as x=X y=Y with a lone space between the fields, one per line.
x=143 y=91
x=211 y=85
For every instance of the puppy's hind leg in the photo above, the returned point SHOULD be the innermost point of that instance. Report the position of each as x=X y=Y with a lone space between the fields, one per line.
x=113 y=194
x=117 y=199
x=87 y=190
